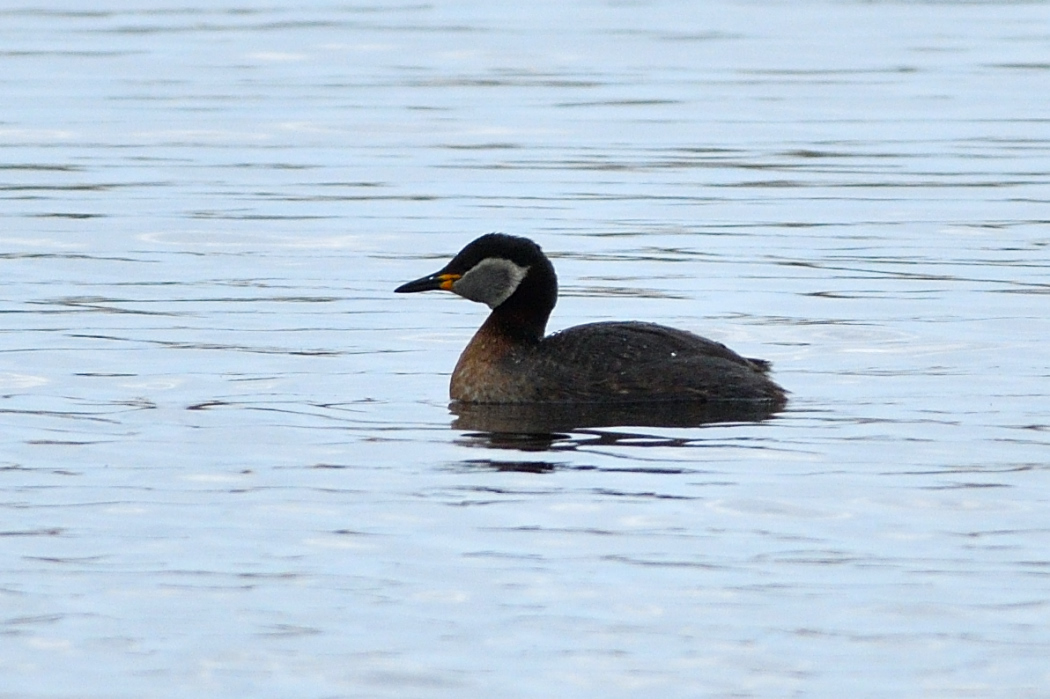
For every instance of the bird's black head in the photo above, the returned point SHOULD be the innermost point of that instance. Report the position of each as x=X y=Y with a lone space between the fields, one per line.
x=507 y=273
x=491 y=270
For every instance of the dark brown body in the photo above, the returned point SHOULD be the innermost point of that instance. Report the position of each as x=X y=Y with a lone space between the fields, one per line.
x=607 y=362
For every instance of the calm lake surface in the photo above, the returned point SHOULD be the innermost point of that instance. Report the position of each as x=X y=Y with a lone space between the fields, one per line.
x=227 y=462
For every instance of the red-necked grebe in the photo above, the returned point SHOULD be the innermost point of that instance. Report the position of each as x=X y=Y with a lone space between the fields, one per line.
x=510 y=361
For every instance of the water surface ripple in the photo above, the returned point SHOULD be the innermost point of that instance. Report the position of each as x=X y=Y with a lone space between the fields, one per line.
x=228 y=465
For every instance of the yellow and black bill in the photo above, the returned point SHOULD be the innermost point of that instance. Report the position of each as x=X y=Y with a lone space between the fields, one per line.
x=438 y=280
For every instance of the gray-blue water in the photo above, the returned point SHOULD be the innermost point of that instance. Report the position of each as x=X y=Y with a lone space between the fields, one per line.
x=228 y=465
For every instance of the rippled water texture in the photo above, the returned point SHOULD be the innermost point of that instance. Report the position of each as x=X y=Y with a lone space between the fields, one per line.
x=228 y=465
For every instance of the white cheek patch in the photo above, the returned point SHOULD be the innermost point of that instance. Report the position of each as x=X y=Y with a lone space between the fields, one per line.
x=491 y=281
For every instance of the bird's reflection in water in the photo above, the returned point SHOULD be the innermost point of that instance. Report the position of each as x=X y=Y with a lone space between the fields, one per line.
x=561 y=427
x=516 y=466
